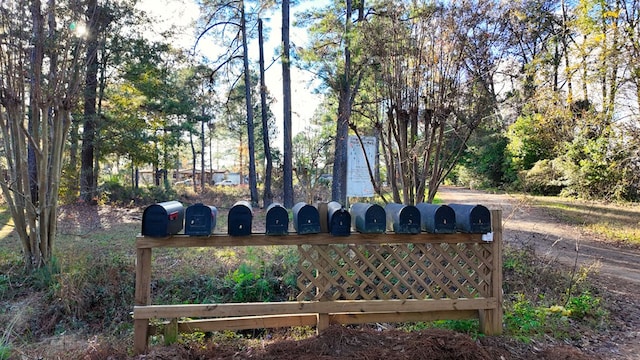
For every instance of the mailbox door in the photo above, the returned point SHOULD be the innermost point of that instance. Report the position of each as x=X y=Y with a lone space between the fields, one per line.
x=340 y=223
x=403 y=219
x=163 y=219
x=480 y=219
x=474 y=219
x=200 y=220
x=155 y=221
x=408 y=221
x=444 y=220
x=239 y=221
x=368 y=218
x=277 y=220
x=437 y=219
x=306 y=219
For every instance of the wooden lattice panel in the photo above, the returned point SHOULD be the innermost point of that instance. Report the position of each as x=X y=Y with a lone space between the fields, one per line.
x=398 y=271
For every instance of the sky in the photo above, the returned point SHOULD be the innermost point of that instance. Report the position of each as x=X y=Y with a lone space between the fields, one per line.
x=304 y=101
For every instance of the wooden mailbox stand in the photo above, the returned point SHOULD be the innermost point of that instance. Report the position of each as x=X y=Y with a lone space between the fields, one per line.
x=357 y=279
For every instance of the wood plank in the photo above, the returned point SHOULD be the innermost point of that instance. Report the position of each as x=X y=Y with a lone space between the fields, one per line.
x=143 y=277
x=248 y=322
x=326 y=307
x=221 y=240
x=289 y=320
x=140 y=335
x=142 y=298
x=491 y=319
x=391 y=317
x=322 y=321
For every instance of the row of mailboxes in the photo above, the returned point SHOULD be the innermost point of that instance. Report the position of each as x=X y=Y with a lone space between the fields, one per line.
x=167 y=218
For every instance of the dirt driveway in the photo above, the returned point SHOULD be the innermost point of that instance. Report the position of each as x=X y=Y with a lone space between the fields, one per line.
x=616 y=270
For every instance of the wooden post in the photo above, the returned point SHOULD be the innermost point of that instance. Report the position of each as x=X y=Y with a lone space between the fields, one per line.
x=143 y=297
x=491 y=319
x=171 y=332
x=322 y=319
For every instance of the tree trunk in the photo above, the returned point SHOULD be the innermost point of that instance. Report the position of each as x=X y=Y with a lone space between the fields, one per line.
x=267 y=197
x=203 y=177
x=287 y=175
x=36 y=258
x=87 y=179
x=339 y=184
x=250 y=135
x=194 y=160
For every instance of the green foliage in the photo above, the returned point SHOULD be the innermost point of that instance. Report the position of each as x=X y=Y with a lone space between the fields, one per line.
x=597 y=166
x=93 y=291
x=586 y=307
x=5 y=350
x=44 y=277
x=533 y=289
x=544 y=178
x=470 y=327
x=113 y=192
x=529 y=141
x=522 y=319
x=484 y=164
x=250 y=286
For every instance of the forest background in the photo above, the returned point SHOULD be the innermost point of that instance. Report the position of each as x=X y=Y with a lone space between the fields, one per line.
x=540 y=96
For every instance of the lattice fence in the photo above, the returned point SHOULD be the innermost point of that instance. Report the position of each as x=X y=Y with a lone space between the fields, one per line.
x=399 y=271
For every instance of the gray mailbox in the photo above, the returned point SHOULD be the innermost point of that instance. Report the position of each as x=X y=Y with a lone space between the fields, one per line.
x=306 y=219
x=368 y=218
x=437 y=219
x=474 y=219
x=403 y=219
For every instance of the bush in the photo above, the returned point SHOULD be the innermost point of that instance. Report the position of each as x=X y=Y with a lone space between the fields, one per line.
x=113 y=192
x=544 y=178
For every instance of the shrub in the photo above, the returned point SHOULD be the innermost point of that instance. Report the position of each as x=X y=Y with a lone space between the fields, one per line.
x=113 y=192
x=544 y=178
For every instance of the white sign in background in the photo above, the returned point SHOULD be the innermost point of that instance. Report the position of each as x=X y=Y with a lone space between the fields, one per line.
x=358 y=179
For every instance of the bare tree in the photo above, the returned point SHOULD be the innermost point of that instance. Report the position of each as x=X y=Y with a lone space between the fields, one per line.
x=435 y=73
x=267 y=197
x=35 y=114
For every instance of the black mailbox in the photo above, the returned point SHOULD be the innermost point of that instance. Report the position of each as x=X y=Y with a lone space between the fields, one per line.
x=368 y=218
x=306 y=219
x=277 y=220
x=239 y=220
x=200 y=220
x=339 y=219
x=163 y=219
x=403 y=219
x=437 y=219
x=474 y=219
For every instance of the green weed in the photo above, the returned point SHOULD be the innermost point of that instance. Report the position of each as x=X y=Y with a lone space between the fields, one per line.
x=5 y=351
x=586 y=307
x=44 y=277
x=470 y=327
x=249 y=286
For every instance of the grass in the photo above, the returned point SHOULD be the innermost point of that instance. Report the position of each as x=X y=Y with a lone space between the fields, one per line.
x=611 y=222
x=90 y=289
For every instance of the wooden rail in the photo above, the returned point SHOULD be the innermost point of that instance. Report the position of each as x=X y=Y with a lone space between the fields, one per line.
x=361 y=278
